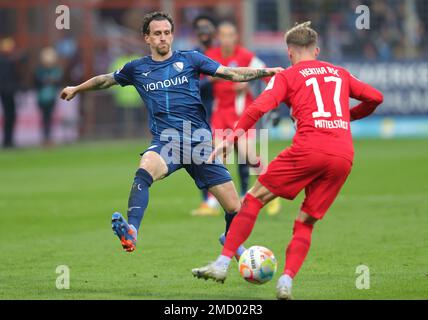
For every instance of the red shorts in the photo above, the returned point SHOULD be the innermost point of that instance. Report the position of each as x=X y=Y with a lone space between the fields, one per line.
x=226 y=119
x=321 y=175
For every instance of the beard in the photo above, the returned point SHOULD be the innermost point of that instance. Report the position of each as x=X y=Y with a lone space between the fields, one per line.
x=163 y=49
x=207 y=42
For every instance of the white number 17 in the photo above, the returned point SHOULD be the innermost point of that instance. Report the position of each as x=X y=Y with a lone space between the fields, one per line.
x=320 y=104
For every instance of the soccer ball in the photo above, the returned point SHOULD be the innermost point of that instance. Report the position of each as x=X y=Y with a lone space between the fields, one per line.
x=257 y=265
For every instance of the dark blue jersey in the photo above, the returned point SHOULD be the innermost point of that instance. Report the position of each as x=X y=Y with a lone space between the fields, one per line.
x=206 y=88
x=170 y=90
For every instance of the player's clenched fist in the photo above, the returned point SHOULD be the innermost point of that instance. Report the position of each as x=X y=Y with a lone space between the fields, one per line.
x=68 y=93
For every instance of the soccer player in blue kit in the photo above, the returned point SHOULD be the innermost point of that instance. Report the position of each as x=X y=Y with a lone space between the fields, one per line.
x=168 y=83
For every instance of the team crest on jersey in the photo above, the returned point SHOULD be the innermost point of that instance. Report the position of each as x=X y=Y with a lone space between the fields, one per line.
x=178 y=66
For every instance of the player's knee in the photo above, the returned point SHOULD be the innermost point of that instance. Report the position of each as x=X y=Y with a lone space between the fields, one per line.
x=233 y=206
x=233 y=203
x=261 y=193
x=306 y=218
x=154 y=166
x=149 y=167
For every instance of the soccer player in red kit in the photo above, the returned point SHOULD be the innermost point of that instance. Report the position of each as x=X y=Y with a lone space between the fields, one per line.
x=231 y=100
x=319 y=159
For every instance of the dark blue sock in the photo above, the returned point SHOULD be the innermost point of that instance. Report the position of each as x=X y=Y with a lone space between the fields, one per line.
x=139 y=197
x=244 y=175
x=229 y=218
x=204 y=195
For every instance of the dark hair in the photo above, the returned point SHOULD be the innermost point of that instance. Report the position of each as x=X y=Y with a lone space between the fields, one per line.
x=158 y=16
x=204 y=17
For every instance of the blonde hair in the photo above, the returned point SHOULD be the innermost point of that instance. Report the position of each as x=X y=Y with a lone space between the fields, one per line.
x=301 y=35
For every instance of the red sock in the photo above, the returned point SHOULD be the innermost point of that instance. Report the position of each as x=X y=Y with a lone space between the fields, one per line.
x=242 y=225
x=297 y=248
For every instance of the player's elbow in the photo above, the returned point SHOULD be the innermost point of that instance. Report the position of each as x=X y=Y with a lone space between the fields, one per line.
x=378 y=99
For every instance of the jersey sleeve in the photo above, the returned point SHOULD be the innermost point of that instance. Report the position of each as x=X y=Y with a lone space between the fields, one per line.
x=204 y=64
x=360 y=90
x=124 y=76
x=370 y=98
x=274 y=93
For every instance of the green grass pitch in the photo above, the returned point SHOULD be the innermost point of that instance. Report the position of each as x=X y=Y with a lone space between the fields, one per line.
x=56 y=206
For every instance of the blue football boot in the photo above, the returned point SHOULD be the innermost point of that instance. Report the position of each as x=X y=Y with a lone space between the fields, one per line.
x=126 y=233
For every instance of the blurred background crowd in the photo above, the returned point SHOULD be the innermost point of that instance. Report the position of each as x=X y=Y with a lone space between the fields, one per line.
x=37 y=59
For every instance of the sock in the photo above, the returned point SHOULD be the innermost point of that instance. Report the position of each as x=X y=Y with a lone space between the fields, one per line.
x=139 y=197
x=297 y=248
x=204 y=195
x=244 y=174
x=243 y=223
x=285 y=280
x=229 y=218
x=223 y=262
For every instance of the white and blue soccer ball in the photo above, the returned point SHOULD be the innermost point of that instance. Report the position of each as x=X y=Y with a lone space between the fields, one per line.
x=257 y=265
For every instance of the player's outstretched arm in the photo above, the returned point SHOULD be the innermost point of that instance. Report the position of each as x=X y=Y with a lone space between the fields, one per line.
x=243 y=74
x=103 y=81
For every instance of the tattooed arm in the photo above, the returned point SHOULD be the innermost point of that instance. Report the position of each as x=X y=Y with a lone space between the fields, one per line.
x=103 y=81
x=243 y=74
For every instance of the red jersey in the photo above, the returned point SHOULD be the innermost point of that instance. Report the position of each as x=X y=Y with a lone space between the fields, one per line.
x=318 y=94
x=226 y=98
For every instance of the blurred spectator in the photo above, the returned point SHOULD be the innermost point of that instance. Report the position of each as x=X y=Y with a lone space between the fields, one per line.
x=397 y=28
x=204 y=27
x=66 y=47
x=8 y=86
x=48 y=78
x=126 y=98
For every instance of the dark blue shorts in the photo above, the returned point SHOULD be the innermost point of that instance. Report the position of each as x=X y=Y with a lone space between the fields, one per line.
x=205 y=175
